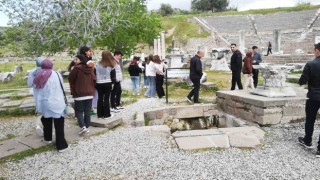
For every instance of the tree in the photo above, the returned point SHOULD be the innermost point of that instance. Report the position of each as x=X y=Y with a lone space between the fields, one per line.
x=206 y=5
x=54 y=26
x=165 y=10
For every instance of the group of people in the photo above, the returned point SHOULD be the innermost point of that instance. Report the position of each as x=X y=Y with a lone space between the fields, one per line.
x=154 y=70
x=238 y=65
x=86 y=81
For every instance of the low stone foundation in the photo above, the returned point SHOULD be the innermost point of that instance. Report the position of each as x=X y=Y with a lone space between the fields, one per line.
x=259 y=109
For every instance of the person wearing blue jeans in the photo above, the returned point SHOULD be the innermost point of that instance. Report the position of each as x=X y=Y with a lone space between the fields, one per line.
x=82 y=112
x=135 y=72
x=151 y=91
x=311 y=75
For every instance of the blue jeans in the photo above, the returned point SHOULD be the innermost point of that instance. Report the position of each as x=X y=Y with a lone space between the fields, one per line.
x=151 y=91
x=145 y=79
x=82 y=110
x=135 y=84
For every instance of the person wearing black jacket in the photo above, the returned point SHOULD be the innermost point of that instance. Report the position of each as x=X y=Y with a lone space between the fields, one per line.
x=236 y=66
x=311 y=75
x=134 y=71
x=195 y=76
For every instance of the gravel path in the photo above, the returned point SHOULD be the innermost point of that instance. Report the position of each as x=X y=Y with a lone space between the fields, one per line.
x=132 y=153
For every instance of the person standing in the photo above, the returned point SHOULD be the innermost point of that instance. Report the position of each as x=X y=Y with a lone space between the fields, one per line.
x=134 y=71
x=236 y=66
x=311 y=75
x=145 y=78
x=83 y=80
x=256 y=60
x=247 y=71
x=115 y=98
x=151 y=70
x=104 y=84
x=195 y=76
x=269 y=48
x=50 y=103
x=160 y=66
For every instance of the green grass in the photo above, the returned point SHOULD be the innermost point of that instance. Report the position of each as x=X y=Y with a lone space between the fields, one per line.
x=16 y=112
x=31 y=152
x=8 y=136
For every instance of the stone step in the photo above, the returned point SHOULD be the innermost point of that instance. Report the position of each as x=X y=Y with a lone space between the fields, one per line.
x=240 y=137
x=107 y=123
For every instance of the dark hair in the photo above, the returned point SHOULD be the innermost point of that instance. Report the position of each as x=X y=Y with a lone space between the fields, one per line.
x=156 y=59
x=83 y=50
x=136 y=58
x=233 y=44
x=254 y=47
x=117 y=53
x=72 y=63
x=317 y=46
x=82 y=58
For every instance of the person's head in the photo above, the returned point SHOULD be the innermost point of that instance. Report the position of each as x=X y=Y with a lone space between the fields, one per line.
x=317 y=50
x=233 y=47
x=46 y=64
x=118 y=55
x=156 y=59
x=39 y=61
x=200 y=54
x=150 y=58
x=86 y=51
x=135 y=60
x=107 y=59
x=80 y=59
x=254 y=49
x=249 y=53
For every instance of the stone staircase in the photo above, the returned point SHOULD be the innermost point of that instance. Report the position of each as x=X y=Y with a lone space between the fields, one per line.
x=285 y=59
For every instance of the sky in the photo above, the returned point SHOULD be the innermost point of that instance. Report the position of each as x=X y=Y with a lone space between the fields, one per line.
x=242 y=5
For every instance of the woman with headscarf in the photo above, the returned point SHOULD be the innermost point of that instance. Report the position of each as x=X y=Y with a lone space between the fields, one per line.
x=83 y=79
x=50 y=103
x=247 y=71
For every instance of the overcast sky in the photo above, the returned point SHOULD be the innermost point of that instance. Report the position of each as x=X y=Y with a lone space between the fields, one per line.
x=186 y=4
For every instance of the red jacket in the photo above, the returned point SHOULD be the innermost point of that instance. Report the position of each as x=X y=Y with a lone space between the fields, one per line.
x=247 y=66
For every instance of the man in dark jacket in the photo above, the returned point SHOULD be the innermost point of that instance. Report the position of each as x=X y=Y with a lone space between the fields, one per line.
x=195 y=76
x=236 y=66
x=311 y=75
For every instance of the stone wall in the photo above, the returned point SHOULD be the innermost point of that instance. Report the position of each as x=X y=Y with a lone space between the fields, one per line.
x=259 y=109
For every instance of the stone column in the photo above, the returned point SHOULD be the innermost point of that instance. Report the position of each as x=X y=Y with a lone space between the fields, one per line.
x=163 y=46
x=205 y=51
x=241 y=41
x=159 y=47
x=155 y=46
x=277 y=41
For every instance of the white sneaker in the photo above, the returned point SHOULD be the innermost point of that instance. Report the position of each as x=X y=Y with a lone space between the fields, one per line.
x=109 y=117
x=114 y=110
x=63 y=150
x=39 y=130
x=47 y=142
x=83 y=130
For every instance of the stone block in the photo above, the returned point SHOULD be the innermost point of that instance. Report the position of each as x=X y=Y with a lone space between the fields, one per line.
x=172 y=111
x=244 y=141
x=159 y=114
x=203 y=142
x=210 y=112
x=189 y=111
x=287 y=119
x=32 y=140
x=108 y=123
x=248 y=131
x=10 y=147
x=293 y=111
x=156 y=122
x=268 y=119
x=192 y=133
x=162 y=128
x=139 y=121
